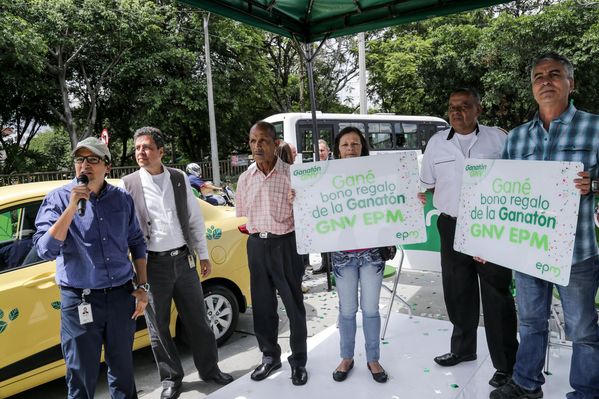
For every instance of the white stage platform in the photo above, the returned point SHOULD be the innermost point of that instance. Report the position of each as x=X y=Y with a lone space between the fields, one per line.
x=407 y=355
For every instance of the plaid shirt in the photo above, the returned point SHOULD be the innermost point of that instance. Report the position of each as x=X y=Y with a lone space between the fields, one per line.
x=263 y=199
x=573 y=136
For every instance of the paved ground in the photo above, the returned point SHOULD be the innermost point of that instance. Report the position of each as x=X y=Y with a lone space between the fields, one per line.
x=240 y=354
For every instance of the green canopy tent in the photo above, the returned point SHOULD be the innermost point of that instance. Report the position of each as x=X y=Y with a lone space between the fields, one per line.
x=314 y=20
x=308 y=21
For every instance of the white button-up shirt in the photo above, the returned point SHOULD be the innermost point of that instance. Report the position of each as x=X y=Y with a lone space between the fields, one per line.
x=443 y=163
x=162 y=210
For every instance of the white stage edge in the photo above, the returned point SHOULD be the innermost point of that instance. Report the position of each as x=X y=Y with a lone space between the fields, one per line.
x=407 y=355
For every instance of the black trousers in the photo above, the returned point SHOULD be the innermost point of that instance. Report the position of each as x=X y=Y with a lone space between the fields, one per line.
x=275 y=265
x=461 y=276
x=172 y=278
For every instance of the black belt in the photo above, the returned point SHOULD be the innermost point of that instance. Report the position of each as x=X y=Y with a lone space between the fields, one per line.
x=448 y=216
x=170 y=252
x=271 y=235
x=79 y=291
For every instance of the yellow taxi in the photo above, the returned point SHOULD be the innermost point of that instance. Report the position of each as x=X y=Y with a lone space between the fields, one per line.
x=30 y=352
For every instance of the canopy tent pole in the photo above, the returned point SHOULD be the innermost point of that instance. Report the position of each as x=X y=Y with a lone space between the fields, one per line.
x=310 y=70
x=309 y=58
x=211 y=117
x=362 y=66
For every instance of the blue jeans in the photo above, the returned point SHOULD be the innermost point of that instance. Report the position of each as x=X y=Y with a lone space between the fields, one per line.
x=578 y=301
x=366 y=269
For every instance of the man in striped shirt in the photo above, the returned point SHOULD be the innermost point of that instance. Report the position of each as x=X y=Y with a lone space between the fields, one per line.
x=274 y=263
x=559 y=132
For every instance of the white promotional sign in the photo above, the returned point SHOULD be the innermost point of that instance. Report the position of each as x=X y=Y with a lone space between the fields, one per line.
x=520 y=214
x=354 y=203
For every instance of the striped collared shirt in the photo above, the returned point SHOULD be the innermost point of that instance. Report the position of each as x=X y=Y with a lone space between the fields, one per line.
x=573 y=136
x=263 y=199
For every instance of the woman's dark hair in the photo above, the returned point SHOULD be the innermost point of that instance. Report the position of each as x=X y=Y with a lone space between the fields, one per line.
x=283 y=151
x=343 y=132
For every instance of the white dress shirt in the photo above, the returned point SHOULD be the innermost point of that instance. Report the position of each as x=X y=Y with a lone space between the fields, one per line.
x=443 y=163
x=166 y=228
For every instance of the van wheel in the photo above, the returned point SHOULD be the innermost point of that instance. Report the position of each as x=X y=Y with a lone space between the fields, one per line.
x=222 y=311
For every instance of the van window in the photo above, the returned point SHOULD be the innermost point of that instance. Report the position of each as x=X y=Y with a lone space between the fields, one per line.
x=279 y=129
x=406 y=136
x=379 y=136
x=305 y=138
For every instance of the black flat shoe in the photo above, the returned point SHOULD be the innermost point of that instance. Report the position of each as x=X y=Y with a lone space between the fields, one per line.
x=451 y=359
x=499 y=378
x=263 y=370
x=339 y=375
x=299 y=375
x=378 y=377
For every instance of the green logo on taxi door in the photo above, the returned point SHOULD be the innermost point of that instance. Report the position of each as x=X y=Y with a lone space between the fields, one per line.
x=213 y=233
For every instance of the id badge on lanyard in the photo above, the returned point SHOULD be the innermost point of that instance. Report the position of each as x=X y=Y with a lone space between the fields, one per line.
x=85 y=309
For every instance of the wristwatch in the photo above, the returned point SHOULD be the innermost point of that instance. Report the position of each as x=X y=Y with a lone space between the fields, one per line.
x=595 y=186
x=144 y=286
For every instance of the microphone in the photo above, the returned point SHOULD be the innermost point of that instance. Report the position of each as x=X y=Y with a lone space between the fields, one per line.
x=82 y=180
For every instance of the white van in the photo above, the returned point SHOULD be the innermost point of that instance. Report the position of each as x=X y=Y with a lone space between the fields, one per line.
x=384 y=132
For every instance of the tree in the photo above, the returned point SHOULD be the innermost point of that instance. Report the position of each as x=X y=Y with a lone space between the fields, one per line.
x=414 y=68
x=123 y=64
x=52 y=150
x=334 y=66
x=85 y=41
x=25 y=91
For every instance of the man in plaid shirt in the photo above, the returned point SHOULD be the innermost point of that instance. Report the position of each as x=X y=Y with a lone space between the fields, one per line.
x=559 y=132
x=262 y=196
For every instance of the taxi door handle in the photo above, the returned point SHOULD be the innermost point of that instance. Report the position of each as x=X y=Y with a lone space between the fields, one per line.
x=40 y=279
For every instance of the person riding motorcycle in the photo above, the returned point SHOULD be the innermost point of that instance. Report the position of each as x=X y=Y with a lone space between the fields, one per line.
x=205 y=188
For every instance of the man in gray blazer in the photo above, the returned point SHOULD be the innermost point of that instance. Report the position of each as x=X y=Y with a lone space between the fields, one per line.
x=173 y=227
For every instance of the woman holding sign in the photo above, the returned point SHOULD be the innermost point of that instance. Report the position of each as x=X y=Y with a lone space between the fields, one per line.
x=363 y=267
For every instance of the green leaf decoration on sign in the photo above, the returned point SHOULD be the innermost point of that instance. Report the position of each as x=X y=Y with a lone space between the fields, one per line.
x=218 y=233
x=1 y=313
x=56 y=304
x=13 y=314
x=2 y=326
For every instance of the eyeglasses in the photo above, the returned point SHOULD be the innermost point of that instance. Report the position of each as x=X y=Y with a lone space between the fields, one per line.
x=459 y=108
x=92 y=159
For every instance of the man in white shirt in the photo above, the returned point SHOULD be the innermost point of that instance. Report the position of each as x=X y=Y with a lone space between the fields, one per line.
x=441 y=173
x=173 y=226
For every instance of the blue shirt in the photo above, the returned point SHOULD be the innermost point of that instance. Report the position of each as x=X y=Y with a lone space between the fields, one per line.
x=95 y=251
x=195 y=182
x=574 y=137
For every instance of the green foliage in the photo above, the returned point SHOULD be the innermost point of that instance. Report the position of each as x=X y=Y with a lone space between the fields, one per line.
x=85 y=65
x=51 y=150
x=413 y=68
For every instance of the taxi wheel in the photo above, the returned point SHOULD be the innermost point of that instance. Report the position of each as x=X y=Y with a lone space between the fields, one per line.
x=222 y=311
